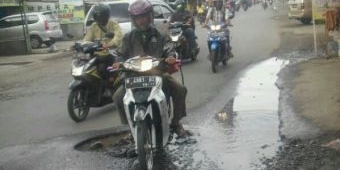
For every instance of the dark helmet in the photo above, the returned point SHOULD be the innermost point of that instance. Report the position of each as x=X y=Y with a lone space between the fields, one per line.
x=218 y=4
x=101 y=13
x=180 y=5
x=139 y=9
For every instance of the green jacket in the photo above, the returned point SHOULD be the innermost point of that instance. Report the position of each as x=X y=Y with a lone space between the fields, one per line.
x=150 y=42
x=95 y=33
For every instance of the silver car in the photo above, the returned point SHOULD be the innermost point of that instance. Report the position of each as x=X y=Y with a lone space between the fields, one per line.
x=119 y=13
x=43 y=28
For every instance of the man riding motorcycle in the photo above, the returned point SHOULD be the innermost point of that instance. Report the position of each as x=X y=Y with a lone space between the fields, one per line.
x=184 y=16
x=108 y=32
x=145 y=39
x=216 y=15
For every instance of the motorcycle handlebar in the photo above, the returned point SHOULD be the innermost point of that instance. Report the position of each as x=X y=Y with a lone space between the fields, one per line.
x=121 y=68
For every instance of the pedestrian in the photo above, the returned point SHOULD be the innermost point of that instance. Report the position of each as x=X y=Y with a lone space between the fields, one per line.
x=200 y=12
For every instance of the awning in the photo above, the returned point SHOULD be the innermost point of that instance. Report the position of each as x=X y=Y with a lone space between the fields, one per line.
x=9 y=3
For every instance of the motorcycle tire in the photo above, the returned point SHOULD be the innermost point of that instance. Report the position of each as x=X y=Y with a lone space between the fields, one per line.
x=145 y=154
x=77 y=106
x=245 y=7
x=194 y=55
x=214 y=62
x=224 y=61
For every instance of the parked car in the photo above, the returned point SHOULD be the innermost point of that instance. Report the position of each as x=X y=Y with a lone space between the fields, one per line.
x=300 y=10
x=43 y=27
x=119 y=13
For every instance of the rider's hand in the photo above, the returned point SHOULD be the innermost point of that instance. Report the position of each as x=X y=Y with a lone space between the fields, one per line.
x=105 y=45
x=116 y=65
x=170 y=60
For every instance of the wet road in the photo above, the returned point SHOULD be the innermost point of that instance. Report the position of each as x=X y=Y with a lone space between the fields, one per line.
x=233 y=113
x=34 y=95
x=236 y=136
x=246 y=128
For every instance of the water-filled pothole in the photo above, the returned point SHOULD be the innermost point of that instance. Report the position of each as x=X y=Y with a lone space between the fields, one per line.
x=115 y=144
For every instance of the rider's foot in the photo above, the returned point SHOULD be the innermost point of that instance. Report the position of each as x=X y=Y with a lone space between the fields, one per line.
x=197 y=50
x=231 y=55
x=180 y=131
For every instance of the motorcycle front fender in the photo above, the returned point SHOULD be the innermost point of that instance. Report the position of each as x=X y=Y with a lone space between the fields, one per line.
x=74 y=84
x=214 y=46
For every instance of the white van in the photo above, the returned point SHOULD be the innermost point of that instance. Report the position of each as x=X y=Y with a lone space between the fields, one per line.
x=119 y=13
x=300 y=10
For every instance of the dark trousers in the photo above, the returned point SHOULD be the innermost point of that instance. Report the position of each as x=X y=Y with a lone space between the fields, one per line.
x=189 y=34
x=176 y=90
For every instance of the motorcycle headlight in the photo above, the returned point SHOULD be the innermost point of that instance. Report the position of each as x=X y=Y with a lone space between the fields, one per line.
x=215 y=27
x=146 y=65
x=141 y=65
x=77 y=71
x=175 y=38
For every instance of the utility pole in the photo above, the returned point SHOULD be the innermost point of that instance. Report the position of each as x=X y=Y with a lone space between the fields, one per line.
x=314 y=29
x=25 y=27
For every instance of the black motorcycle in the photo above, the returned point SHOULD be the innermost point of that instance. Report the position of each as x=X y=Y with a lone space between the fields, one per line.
x=91 y=86
x=180 y=43
x=264 y=4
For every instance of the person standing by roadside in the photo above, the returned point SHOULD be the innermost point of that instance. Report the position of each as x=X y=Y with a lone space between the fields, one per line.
x=200 y=12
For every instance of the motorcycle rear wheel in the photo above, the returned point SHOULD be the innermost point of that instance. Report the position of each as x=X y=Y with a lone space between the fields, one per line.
x=195 y=54
x=214 y=62
x=77 y=105
x=145 y=153
x=225 y=61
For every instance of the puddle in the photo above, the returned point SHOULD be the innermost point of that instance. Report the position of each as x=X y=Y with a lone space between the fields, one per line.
x=247 y=128
x=244 y=132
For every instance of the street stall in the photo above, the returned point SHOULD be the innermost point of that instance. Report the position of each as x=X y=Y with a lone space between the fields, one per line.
x=332 y=25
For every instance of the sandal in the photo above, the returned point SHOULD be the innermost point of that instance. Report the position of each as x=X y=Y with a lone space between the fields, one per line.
x=180 y=131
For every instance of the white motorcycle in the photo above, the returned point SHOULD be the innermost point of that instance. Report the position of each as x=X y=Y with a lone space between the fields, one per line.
x=148 y=109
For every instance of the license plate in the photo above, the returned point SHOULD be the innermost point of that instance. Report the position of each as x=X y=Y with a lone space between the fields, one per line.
x=140 y=82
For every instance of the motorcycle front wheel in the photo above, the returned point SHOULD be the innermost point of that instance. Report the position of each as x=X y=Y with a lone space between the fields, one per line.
x=144 y=149
x=214 y=62
x=77 y=105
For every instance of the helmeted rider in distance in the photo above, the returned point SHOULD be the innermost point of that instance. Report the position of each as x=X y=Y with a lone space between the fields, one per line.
x=184 y=16
x=109 y=34
x=216 y=14
x=145 y=39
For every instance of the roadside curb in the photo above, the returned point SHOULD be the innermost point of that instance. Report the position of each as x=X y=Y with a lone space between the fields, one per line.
x=57 y=55
x=26 y=59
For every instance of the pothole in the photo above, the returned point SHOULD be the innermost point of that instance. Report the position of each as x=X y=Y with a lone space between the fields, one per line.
x=118 y=144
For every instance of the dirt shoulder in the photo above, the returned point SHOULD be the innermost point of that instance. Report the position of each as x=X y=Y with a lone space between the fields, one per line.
x=310 y=116
x=309 y=103
x=315 y=93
